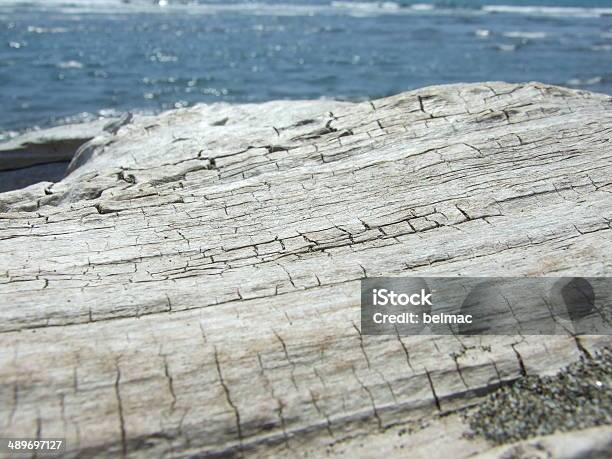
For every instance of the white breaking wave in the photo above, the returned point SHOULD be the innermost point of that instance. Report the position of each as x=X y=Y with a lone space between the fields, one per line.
x=506 y=48
x=559 y=11
x=39 y=30
x=423 y=7
x=525 y=35
x=367 y=6
x=348 y=8
x=584 y=82
x=354 y=8
x=602 y=48
x=70 y=65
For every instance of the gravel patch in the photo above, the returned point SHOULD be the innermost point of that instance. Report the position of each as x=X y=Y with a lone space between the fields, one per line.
x=578 y=397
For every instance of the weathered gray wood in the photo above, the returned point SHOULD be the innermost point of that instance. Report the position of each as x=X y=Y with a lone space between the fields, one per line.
x=595 y=443
x=193 y=287
x=47 y=145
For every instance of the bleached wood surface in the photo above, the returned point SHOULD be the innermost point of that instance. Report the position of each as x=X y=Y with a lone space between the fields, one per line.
x=192 y=288
x=48 y=145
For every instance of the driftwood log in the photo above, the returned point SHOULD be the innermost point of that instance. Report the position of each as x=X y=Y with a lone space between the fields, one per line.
x=192 y=287
x=42 y=154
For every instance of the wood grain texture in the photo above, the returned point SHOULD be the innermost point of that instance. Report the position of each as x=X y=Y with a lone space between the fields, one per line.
x=192 y=287
x=47 y=145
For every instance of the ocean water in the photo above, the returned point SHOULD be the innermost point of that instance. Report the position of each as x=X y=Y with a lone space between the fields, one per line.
x=67 y=60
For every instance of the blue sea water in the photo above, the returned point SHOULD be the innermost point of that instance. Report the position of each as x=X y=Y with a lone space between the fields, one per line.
x=66 y=60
